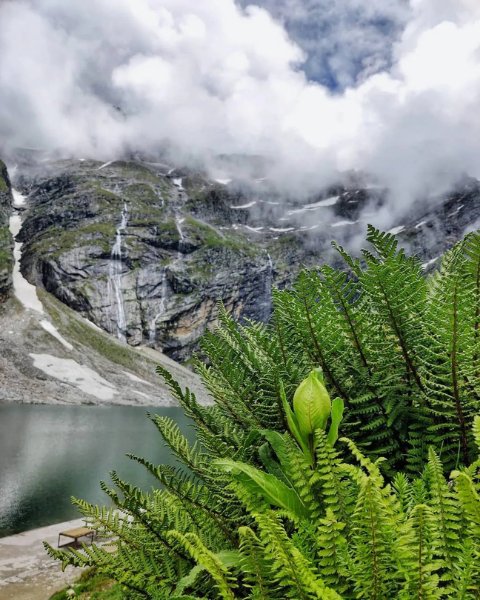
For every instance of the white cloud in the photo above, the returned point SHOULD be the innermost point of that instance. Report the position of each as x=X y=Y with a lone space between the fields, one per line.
x=101 y=76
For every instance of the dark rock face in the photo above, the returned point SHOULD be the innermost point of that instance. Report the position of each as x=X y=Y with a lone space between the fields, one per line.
x=435 y=229
x=6 y=242
x=123 y=245
x=146 y=252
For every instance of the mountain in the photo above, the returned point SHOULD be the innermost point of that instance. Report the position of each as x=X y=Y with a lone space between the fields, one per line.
x=145 y=251
x=51 y=354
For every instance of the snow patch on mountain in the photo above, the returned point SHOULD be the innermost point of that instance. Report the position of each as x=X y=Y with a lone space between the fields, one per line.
x=70 y=372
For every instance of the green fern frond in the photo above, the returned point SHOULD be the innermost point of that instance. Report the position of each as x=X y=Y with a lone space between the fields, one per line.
x=446 y=511
x=372 y=543
x=415 y=549
x=255 y=567
x=290 y=568
x=332 y=552
x=213 y=563
x=469 y=499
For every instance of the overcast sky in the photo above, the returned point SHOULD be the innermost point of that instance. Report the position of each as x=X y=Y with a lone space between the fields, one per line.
x=390 y=87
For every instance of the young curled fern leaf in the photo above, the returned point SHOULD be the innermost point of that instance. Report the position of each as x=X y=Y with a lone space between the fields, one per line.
x=293 y=425
x=336 y=417
x=311 y=404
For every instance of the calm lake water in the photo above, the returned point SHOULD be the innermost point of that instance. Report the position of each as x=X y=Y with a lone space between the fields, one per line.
x=50 y=453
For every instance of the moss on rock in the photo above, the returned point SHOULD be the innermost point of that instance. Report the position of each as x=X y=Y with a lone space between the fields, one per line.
x=209 y=236
x=56 y=240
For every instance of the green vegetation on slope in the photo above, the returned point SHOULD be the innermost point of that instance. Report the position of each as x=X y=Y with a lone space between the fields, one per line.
x=56 y=240
x=3 y=174
x=137 y=171
x=208 y=236
x=80 y=332
x=6 y=255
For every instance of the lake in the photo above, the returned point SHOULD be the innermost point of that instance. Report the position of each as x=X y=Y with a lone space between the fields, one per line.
x=50 y=453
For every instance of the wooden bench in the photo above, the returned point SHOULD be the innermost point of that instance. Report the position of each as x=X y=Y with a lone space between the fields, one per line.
x=76 y=534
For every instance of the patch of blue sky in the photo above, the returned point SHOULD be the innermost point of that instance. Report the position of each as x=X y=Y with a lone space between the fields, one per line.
x=344 y=41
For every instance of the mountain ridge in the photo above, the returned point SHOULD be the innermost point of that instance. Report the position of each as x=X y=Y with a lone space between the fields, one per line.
x=146 y=251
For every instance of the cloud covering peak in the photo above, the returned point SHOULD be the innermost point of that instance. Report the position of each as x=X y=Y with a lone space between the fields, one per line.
x=101 y=77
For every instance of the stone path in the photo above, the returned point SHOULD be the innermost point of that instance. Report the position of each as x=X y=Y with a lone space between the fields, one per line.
x=26 y=571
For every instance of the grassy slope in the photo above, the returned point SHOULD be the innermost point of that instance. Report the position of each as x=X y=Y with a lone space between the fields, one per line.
x=78 y=331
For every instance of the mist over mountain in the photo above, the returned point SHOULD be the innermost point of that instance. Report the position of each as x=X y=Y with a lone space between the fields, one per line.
x=316 y=89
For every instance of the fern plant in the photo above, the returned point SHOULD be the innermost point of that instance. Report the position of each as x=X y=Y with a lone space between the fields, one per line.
x=401 y=349
x=268 y=504
x=322 y=524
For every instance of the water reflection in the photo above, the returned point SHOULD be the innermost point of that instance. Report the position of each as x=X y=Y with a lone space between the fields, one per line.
x=50 y=453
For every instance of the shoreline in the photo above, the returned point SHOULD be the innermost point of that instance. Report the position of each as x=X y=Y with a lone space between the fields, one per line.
x=26 y=571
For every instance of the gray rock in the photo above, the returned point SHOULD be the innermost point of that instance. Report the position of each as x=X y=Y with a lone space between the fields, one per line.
x=6 y=242
x=130 y=249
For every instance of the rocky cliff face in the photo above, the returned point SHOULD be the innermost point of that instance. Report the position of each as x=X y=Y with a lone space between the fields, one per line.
x=140 y=252
x=6 y=242
x=146 y=252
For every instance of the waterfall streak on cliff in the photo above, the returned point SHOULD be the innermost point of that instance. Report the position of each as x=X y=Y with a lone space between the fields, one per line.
x=178 y=224
x=267 y=302
x=161 y=307
x=115 y=279
x=178 y=181
x=105 y=165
